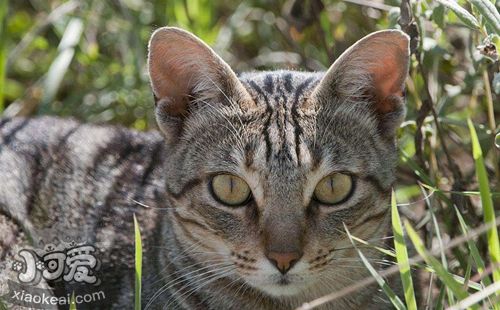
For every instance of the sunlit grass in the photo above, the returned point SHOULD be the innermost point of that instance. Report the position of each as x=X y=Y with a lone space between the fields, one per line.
x=402 y=256
x=138 y=265
x=3 y=49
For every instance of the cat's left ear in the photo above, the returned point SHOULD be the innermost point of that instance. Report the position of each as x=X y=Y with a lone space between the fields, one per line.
x=185 y=75
x=374 y=69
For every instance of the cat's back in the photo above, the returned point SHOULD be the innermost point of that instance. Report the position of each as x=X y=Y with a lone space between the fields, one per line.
x=51 y=166
x=62 y=180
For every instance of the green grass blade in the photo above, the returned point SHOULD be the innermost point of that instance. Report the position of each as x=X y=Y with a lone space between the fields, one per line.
x=3 y=49
x=440 y=298
x=441 y=272
x=474 y=251
x=475 y=298
x=72 y=304
x=466 y=17
x=437 y=231
x=395 y=300
x=487 y=203
x=380 y=249
x=61 y=63
x=468 y=272
x=488 y=12
x=402 y=256
x=138 y=265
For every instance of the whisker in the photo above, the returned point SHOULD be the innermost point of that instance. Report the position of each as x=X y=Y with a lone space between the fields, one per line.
x=183 y=278
x=220 y=273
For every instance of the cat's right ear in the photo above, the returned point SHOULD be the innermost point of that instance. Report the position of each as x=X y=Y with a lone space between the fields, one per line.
x=184 y=73
x=372 y=71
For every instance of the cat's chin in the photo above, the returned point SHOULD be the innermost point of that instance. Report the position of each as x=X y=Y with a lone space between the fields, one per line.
x=281 y=288
x=283 y=291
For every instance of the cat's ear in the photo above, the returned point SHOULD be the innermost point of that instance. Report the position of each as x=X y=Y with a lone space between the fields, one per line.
x=184 y=72
x=374 y=69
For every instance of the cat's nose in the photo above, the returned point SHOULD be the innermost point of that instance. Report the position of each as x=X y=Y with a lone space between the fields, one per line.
x=284 y=261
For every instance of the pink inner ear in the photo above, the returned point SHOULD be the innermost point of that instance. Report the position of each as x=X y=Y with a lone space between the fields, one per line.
x=177 y=62
x=388 y=81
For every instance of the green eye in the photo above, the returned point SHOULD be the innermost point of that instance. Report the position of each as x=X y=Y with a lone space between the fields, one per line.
x=230 y=190
x=333 y=189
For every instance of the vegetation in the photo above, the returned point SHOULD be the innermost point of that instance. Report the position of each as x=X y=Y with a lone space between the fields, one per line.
x=87 y=59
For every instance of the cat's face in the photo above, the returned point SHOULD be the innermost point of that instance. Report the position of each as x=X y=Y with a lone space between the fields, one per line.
x=266 y=171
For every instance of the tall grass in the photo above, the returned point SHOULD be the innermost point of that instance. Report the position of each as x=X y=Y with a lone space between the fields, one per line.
x=138 y=265
x=3 y=49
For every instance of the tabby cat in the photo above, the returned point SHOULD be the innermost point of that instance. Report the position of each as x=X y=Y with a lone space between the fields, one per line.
x=243 y=196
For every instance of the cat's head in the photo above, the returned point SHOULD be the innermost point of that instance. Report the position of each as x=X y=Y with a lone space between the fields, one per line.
x=265 y=169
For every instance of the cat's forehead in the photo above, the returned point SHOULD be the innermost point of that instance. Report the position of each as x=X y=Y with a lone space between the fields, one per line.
x=280 y=87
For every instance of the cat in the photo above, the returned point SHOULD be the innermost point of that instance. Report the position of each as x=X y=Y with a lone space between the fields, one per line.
x=241 y=197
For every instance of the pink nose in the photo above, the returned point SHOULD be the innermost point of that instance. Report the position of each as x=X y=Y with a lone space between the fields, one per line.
x=284 y=261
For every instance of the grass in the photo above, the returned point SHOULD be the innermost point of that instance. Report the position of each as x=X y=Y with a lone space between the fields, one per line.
x=487 y=204
x=3 y=49
x=402 y=256
x=138 y=265
x=395 y=300
x=72 y=303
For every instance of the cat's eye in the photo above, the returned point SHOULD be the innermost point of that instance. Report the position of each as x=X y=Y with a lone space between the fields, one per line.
x=230 y=190
x=333 y=189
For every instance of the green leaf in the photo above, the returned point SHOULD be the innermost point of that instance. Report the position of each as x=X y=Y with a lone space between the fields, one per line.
x=488 y=12
x=438 y=16
x=3 y=51
x=441 y=272
x=395 y=300
x=402 y=256
x=138 y=265
x=60 y=65
x=72 y=304
x=467 y=18
x=487 y=202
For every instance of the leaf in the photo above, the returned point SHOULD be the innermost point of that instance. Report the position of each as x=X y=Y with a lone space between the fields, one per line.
x=395 y=300
x=486 y=201
x=438 y=16
x=467 y=18
x=138 y=265
x=488 y=12
x=402 y=256
x=60 y=65
x=441 y=272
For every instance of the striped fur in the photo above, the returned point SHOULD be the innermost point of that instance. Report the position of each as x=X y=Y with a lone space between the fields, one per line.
x=280 y=131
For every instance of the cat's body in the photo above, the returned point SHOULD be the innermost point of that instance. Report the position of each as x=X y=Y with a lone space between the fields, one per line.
x=61 y=178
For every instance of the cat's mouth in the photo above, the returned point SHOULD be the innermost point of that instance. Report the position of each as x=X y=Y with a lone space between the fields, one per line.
x=284 y=280
x=282 y=285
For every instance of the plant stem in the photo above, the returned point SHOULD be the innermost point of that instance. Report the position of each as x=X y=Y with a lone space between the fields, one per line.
x=491 y=119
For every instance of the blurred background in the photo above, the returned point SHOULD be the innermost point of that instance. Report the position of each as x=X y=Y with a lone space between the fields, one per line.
x=87 y=59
